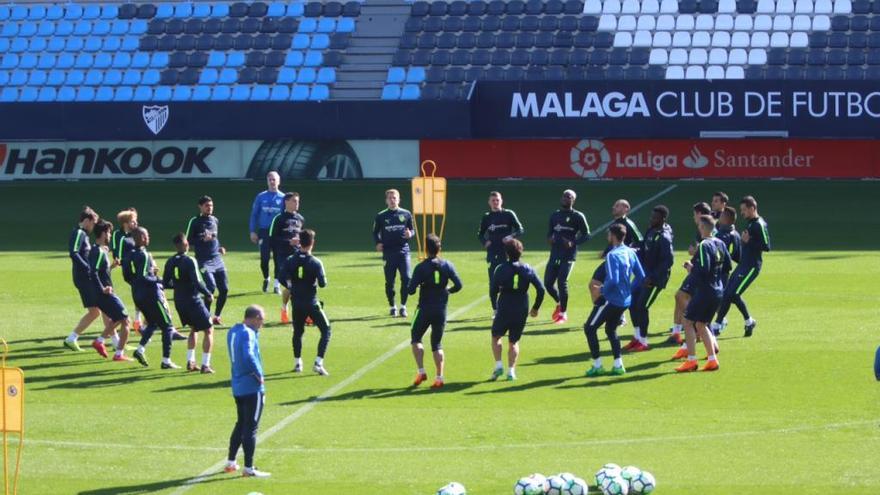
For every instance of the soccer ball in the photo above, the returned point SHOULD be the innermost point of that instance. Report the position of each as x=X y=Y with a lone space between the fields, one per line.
x=615 y=485
x=567 y=476
x=629 y=472
x=541 y=481
x=576 y=486
x=643 y=484
x=556 y=485
x=454 y=488
x=607 y=471
x=529 y=486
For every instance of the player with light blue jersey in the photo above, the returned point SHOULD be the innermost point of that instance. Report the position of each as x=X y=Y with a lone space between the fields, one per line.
x=267 y=205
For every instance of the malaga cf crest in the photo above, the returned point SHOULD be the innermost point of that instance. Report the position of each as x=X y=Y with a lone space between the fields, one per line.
x=155 y=117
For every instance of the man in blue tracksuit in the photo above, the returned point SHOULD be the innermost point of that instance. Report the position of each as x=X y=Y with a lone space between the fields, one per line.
x=755 y=241
x=568 y=229
x=266 y=205
x=433 y=276
x=656 y=255
x=497 y=226
x=248 y=389
x=623 y=271
x=392 y=230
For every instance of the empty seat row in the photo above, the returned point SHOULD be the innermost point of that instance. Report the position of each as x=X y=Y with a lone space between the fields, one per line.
x=507 y=40
x=509 y=23
x=58 y=11
x=700 y=56
x=703 y=39
x=496 y=7
x=83 y=61
x=317 y=92
x=287 y=25
x=814 y=73
x=28 y=29
x=273 y=59
x=241 y=9
x=724 y=22
x=822 y=57
x=69 y=45
x=522 y=58
x=841 y=40
x=457 y=75
x=400 y=75
x=698 y=72
x=225 y=42
x=401 y=92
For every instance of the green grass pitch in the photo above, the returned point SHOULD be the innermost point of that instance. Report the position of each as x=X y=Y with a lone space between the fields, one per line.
x=794 y=410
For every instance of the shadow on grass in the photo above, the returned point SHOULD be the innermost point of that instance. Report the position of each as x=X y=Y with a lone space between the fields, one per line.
x=518 y=387
x=359 y=318
x=156 y=486
x=362 y=265
x=118 y=378
x=613 y=380
x=388 y=393
x=243 y=294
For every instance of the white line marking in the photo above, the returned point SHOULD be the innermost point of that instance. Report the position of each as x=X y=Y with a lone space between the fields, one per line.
x=467 y=448
x=295 y=415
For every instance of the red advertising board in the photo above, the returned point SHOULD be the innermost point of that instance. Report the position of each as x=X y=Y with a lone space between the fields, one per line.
x=661 y=159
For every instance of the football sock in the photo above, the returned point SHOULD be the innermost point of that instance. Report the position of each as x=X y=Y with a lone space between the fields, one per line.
x=141 y=349
x=118 y=353
x=115 y=340
x=72 y=337
x=298 y=361
x=712 y=358
x=100 y=340
x=618 y=362
x=676 y=329
x=421 y=371
x=206 y=359
x=692 y=357
x=319 y=361
x=166 y=360
x=190 y=355
x=597 y=363
x=499 y=365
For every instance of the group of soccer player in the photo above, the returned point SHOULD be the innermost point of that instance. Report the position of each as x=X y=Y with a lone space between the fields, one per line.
x=634 y=269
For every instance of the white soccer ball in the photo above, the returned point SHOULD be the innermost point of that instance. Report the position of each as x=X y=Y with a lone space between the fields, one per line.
x=567 y=476
x=454 y=488
x=576 y=486
x=643 y=484
x=556 y=485
x=528 y=486
x=615 y=485
x=609 y=470
x=541 y=481
x=629 y=472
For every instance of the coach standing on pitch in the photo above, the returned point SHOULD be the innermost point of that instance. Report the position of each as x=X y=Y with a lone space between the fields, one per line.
x=247 y=388
x=266 y=205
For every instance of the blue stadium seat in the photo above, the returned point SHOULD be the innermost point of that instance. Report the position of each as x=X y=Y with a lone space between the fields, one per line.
x=101 y=28
x=63 y=28
x=235 y=59
x=37 y=45
x=94 y=77
x=326 y=75
x=159 y=60
x=113 y=77
x=314 y=9
x=300 y=42
x=85 y=93
x=129 y=43
x=123 y=93
x=478 y=8
x=74 y=45
x=47 y=94
x=103 y=60
x=396 y=75
x=308 y=26
x=18 y=13
x=140 y=60
x=111 y=44
x=66 y=93
x=46 y=61
x=143 y=93
x=121 y=60
x=260 y=92
x=299 y=93
x=28 y=94
x=227 y=76
x=267 y=76
x=169 y=77
x=280 y=93
x=201 y=10
x=18 y=45
x=8 y=95
x=162 y=93
x=9 y=30
x=55 y=78
x=84 y=61
x=92 y=44
x=276 y=9
x=241 y=93
x=46 y=28
x=221 y=93
x=181 y=93
x=415 y=75
x=209 y=76
x=54 y=45
x=132 y=77
x=307 y=75
x=286 y=76
x=53 y=12
x=108 y=12
x=319 y=92
x=201 y=93
x=183 y=10
x=313 y=59
x=391 y=92
x=138 y=26
x=82 y=28
x=104 y=94
x=345 y=25
x=296 y=10
x=320 y=42
x=37 y=78
x=91 y=11
x=73 y=11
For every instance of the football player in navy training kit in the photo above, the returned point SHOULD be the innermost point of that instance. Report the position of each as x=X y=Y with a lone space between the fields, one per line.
x=656 y=255
x=433 y=276
x=105 y=297
x=623 y=271
x=719 y=203
x=755 y=241
x=202 y=235
x=392 y=230
x=705 y=270
x=149 y=295
x=568 y=229
x=497 y=226
x=726 y=232
x=510 y=286
x=78 y=248
x=266 y=205
x=284 y=238
x=182 y=274
x=122 y=247
x=684 y=293
x=303 y=273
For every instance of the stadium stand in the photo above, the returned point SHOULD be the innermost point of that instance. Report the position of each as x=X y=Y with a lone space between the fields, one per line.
x=396 y=50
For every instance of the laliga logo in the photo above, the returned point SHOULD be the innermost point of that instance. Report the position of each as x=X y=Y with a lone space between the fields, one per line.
x=695 y=159
x=155 y=117
x=589 y=159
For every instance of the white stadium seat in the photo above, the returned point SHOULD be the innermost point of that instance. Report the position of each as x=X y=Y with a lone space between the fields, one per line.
x=737 y=56
x=743 y=23
x=650 y=7
x=626 y=23
x=779 y=40
x=721 y=39
x=803 y=7
x=727 y=7
x=740 y=39
x=623 y=39
x=662 y=39
x=784 y=6
x=760 y=40
x=674 y=72
x=782 y=23
x=766 y=7
x=630 y=7
x=821 y=23
x=681 y=39
x=642 y=39
x=665 y=23
x=658 y=56
x=646 y=23
x=718 y=56
x=822 y=7
x=704 y=22
x=762 y=23
x=698 y=56
x=684 y=22
x=608 y=23
x=593 y=7
x=801 y=23
x=701 y=39
x=843 y=7
x=611 y=7
x=678 y=56
x=724 y=22
x=757 y=56
x=798 y=40
x=695 y=73
x=735 y=73
x=669 y=7
x=715 y=72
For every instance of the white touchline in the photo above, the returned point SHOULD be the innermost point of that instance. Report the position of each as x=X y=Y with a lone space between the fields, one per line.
x=295 y=415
